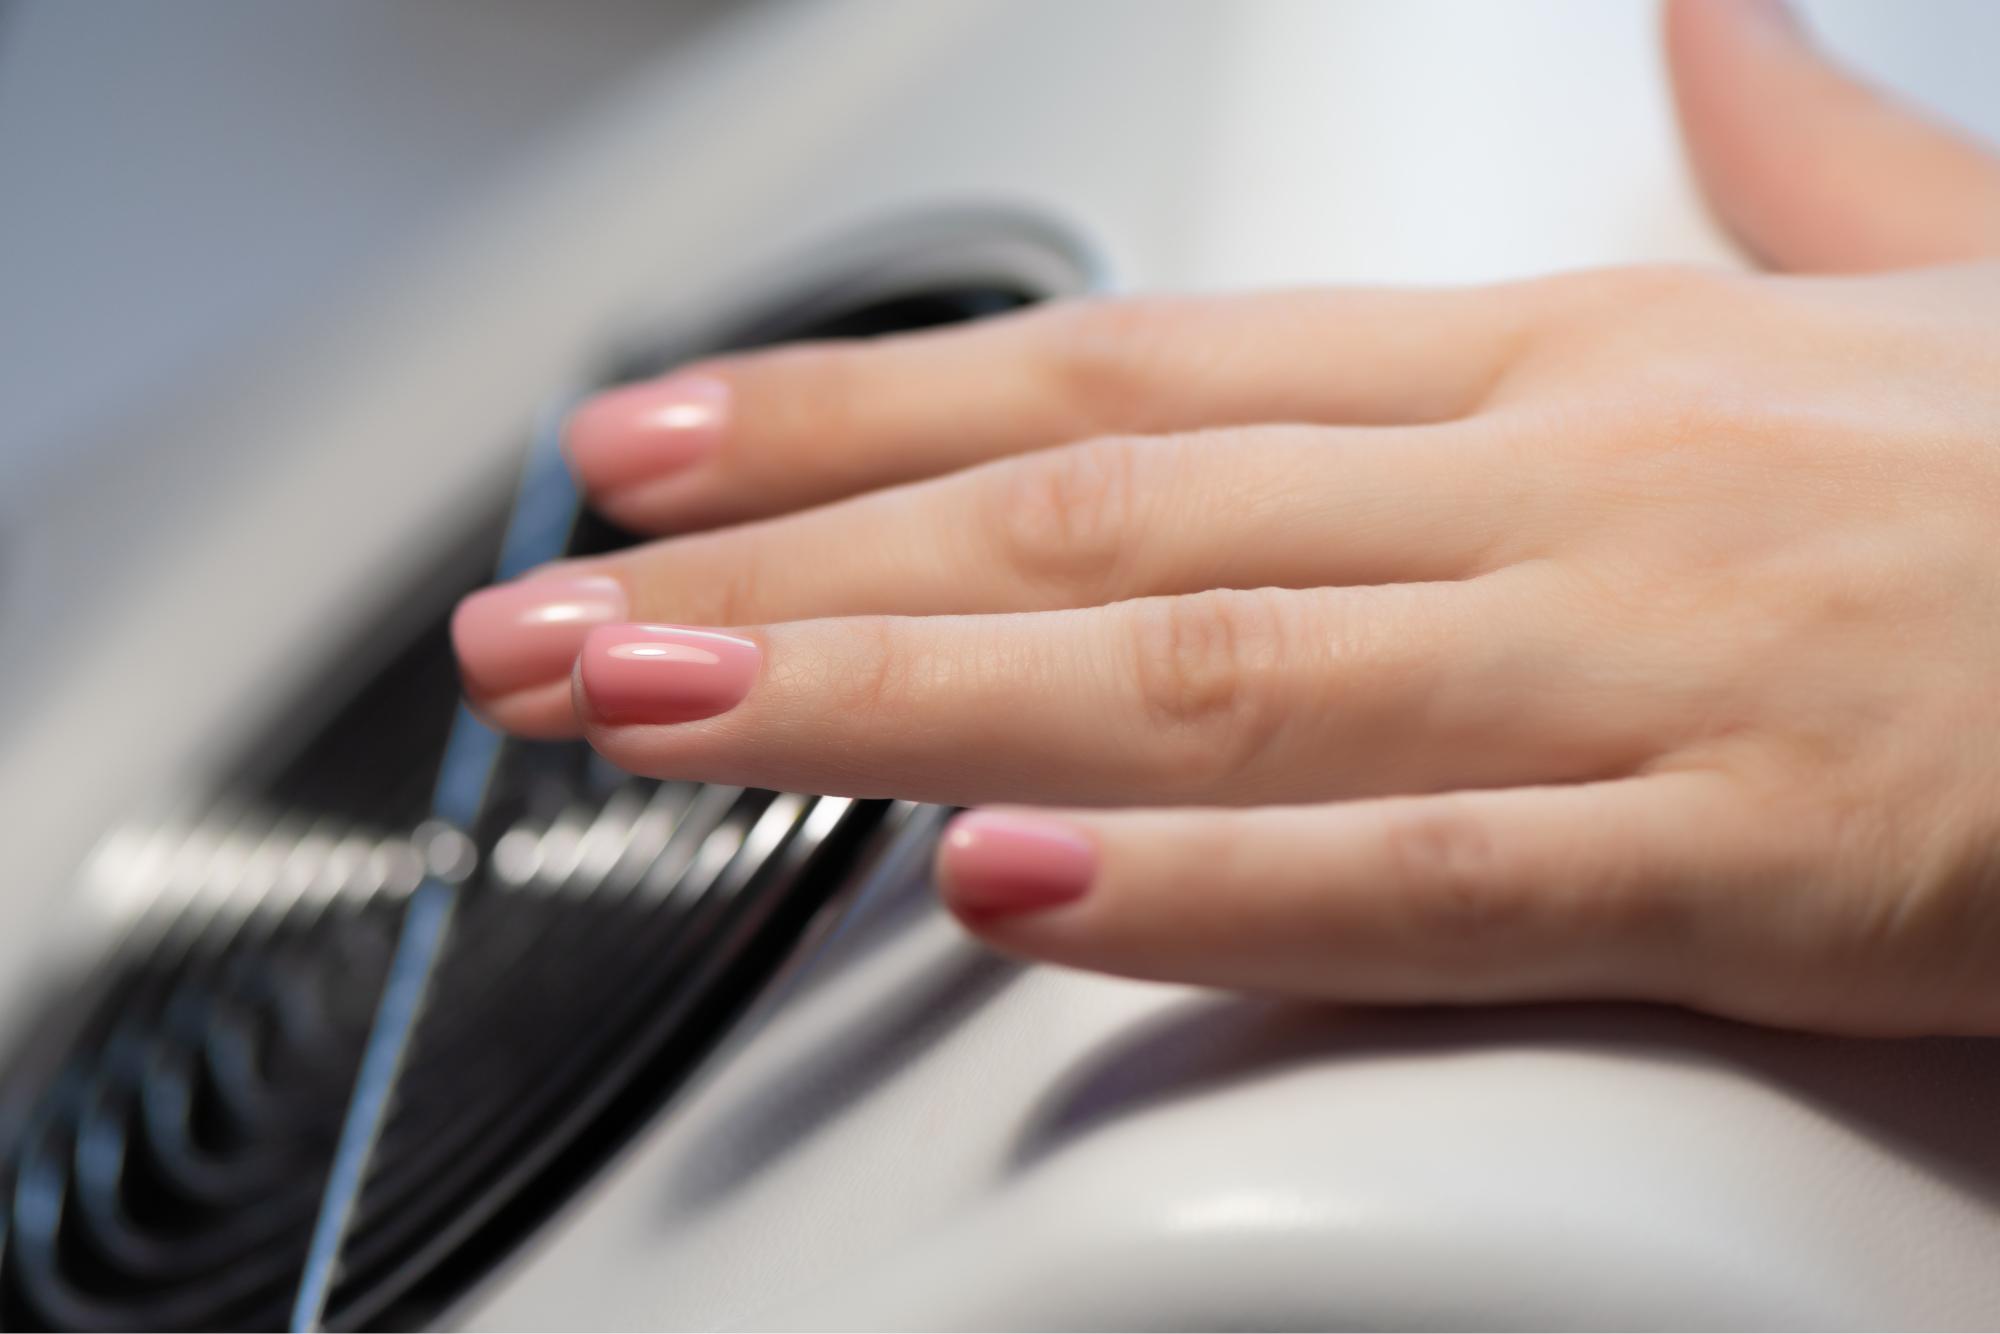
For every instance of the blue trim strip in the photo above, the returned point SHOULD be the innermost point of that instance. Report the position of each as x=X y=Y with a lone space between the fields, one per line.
x=545 y=509
x=416 y=951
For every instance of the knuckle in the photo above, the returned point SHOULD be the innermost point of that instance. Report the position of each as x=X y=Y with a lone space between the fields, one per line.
x=1205 y=668
x=872 y=665
x=1633 y=350
x=1911 y=890
x=799 y=391
x=1618 y=314
x=702 y=579
x=1103 y=357
x=1062 y=517
x=735 y=589
x=1451 y=879
x=1632 y=288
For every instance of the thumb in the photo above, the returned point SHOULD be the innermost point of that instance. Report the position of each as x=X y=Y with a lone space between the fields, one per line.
x=1810 y=167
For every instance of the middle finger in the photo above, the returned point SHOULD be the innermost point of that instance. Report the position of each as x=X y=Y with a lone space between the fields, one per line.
x=1224 y=697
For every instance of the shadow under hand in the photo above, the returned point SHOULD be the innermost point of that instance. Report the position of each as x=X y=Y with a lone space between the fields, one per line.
x=1929 y=1100
x=781 y=1112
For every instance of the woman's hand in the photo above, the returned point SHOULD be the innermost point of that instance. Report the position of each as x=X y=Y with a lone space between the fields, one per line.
x=1628 y=634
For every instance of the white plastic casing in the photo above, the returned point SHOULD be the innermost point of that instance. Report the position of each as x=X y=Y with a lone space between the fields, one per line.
x=918 y=1135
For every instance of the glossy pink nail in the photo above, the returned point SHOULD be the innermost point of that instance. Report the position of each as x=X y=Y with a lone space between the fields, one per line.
x=998 y=863
x=528 y=633
x=642 y=431
x=665 y=673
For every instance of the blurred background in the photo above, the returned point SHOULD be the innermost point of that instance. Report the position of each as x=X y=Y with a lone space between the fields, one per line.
x=284 y=288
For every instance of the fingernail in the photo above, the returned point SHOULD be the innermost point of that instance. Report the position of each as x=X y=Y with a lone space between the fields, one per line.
x=998 y=863
x=527 y=633
x=642 y=431
x=665 y=673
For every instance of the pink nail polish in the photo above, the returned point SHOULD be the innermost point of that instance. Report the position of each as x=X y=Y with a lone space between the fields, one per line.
x=642 y=431
x=998 y=863
x=528 y=633
x=665 y=673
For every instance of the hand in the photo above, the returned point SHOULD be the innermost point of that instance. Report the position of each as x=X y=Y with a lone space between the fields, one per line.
x=1620 y=634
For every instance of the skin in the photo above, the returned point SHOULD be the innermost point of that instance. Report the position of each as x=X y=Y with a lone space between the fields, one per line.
x=1620 y=634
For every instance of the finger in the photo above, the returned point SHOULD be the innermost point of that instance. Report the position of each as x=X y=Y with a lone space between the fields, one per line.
x=1811 y=167
x=1523 y=893
x=1083 y=525
x=767 y=432
x=1264 y=695
x=516 y=642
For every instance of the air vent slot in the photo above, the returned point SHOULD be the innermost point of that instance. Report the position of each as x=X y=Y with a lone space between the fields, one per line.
x=170 y=1140
x=168 y=1175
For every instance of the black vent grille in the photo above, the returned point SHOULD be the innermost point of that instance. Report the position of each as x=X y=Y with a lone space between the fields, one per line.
x=233 y=1122
x=603 y=997
x=170 y=1173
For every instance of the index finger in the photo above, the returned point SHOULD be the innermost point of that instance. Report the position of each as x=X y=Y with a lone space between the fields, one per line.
x=771 y=431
